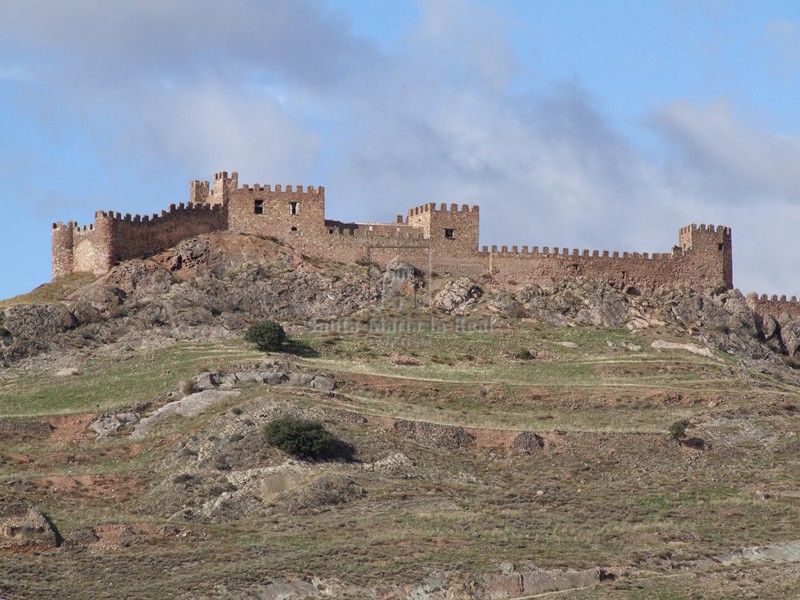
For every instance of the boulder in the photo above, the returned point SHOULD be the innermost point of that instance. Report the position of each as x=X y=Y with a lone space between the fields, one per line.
x=109 y=424
x=790 y=336
x=96 y=299
x=769 y=326
x=247 y=377
x=506 y=304
x=575 y=302
x=527 y=442
x=328 y=490
x=33 y=328
x=275 y=377
x=80 y=539
x=323 y=383
x=400 y=278
x=207 y=380
x=300 y=379
x=23 y=525
x=142 y=280
x=433 y=434
x=457 y=295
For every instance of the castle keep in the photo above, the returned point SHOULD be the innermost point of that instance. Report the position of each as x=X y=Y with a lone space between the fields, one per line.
x=444 y=239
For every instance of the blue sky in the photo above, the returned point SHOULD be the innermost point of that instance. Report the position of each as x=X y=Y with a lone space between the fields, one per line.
x=600 y=125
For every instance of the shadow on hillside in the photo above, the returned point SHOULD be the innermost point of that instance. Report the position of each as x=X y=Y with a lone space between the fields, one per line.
x=339 y=450
x=299 y=348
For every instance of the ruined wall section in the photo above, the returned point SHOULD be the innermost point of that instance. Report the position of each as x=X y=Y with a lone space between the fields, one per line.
x=783 y=309
x=201 y=192
x=86 y=248
x=63 y=248
x=113 y=238
x=711 y=252
x=452 y=232
x=291 y=214
x=635 y=271
x=142 y=236
x=702 y=260
x=378 y=242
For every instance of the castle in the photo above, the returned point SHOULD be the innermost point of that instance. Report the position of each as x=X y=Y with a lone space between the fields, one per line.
x=443 y=240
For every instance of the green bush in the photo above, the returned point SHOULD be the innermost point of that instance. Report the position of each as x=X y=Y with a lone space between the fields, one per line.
x=268 y=336
x=299 y=437
x=678 y=429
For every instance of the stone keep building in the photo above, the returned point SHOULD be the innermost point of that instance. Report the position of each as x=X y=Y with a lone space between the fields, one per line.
x=444 y=239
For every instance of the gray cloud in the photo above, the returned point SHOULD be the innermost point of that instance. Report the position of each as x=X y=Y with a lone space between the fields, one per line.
x=730 y=159
x=116 y=43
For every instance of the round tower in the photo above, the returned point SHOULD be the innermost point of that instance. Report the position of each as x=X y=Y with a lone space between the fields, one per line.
x=63 y=249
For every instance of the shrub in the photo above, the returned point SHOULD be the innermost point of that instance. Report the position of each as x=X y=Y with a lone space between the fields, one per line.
x=299 y=437
x=188 y=386
x=678 y=429
x=268 y=336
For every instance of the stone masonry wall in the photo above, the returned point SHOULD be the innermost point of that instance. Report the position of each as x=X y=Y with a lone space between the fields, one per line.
x=93 y=246
x=114 y=238
x=453 y=232
x=780 y=307
x=140 y=237
x=284 y=213
x=641 y=272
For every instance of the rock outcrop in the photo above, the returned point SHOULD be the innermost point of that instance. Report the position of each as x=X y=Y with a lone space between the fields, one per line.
x=214 y=286
x=457 y=295
x=24 y=527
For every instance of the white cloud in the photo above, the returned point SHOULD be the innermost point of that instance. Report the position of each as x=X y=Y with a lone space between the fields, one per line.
x=211 y=129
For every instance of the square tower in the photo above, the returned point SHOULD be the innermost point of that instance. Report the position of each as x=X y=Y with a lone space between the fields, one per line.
x=454 y=231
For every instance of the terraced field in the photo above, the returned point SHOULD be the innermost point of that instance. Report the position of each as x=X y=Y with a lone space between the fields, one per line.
x=510 y=462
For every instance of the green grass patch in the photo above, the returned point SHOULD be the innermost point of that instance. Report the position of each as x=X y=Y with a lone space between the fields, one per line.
x=116 y=382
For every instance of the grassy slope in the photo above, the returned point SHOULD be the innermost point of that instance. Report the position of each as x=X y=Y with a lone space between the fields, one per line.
x=613 y=492
x=51 y=292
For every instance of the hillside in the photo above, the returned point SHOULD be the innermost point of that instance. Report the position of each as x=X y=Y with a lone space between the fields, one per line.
x=493 y=442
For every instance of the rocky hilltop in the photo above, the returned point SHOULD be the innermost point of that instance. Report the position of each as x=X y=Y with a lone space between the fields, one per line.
x=213 y=286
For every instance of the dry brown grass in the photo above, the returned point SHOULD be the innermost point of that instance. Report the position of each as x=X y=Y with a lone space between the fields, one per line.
x=54 y=291
x=608 y=489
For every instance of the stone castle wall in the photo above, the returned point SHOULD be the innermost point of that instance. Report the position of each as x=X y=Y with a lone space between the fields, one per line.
x=448 y=235
x=290 y=212
x=703 y=260
x=453 y=232
x=782 y=308
x=114 y=238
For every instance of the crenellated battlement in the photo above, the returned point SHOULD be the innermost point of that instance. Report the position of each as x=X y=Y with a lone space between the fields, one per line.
x=702 y=228
x=557 y=252
x=297 y=190
x=781 y=307
x=174 y=211
x=431 y=207
x=772 y=298
x=446 y=234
